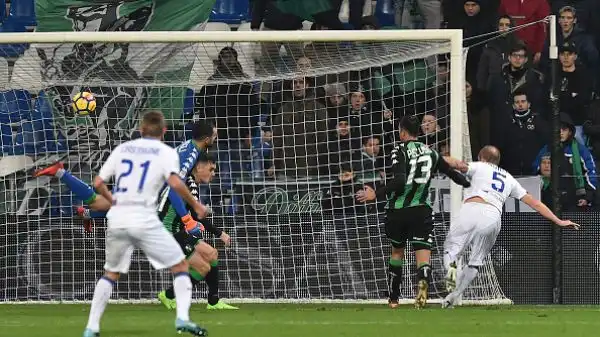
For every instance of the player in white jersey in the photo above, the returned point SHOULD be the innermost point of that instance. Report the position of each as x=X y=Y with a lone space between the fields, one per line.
x=141 y=167
x=478 y=222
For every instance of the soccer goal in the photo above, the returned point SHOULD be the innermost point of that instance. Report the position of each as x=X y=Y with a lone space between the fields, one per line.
x=303 y=119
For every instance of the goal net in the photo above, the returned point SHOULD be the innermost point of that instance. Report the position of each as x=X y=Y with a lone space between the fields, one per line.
x=304 y=120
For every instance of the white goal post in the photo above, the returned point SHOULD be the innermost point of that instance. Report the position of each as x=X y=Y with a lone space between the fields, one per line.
x=297 y=253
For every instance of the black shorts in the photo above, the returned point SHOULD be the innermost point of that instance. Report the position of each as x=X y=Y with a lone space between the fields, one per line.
x=414 y=224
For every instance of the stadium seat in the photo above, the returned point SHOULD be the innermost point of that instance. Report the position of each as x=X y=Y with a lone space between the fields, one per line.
x=3 y=74
x=22 y=12
x=385 y=13
x=27 y=72
x=13 y=164
x=38 y=128
x=14 y=107
x=12 y=50
x=206 y=53
x=232 y=12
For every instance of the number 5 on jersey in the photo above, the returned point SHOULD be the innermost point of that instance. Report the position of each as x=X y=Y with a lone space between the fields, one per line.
x=130 y=167
x=498 y=184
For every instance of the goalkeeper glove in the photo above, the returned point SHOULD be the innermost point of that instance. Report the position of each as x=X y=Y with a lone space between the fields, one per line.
x=192 y=227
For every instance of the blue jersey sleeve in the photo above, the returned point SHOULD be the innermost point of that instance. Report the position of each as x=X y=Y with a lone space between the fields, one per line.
x=188 y=155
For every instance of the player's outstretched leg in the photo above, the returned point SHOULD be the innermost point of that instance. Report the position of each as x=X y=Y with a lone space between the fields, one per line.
x=79 y=188
x=182 y=286
x=395 y=267
x=102 y=294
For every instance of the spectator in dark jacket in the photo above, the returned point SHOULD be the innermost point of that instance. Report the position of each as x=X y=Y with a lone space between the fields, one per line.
x=368 y=162
x=474 y=25
x=527 y=12
x=515 y=76
x=591 y=127
x=522 y=137
x=495 y=53
x=432 y=133
x=578 y=169
x=479 y=120
x=575 y=85
x=341 y=145
x=569 y=33
x=298 y=129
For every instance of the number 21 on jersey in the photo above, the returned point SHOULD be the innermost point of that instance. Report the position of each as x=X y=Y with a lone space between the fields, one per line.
x=130 y=168
x=498 y=181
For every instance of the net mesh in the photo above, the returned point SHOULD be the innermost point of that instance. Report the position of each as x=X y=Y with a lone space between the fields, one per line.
x=301 y=127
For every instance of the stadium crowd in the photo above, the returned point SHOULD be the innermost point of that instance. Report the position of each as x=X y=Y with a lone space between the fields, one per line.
x=341 y=125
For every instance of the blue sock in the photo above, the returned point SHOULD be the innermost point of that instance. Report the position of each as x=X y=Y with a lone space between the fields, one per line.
x=97 y=214
x=81 y=190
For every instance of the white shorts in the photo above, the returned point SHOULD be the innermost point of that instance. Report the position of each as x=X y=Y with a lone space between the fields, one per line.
x=476 y=227
x=158 y=245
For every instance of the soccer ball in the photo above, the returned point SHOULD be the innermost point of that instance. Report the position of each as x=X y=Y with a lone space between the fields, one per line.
x=84 y=103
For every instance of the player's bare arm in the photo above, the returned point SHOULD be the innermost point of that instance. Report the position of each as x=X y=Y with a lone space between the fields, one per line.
x=178 y=186
x=544 y=211
x=102 y=189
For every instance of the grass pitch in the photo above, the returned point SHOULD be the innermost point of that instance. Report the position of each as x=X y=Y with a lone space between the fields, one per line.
x=302 y=320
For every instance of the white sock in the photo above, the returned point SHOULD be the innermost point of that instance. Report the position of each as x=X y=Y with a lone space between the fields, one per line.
x=467 y=275
x=102 y=294
x=447 y=260
x=183 y=295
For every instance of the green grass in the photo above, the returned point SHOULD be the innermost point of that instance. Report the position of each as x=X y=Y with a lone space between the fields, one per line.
x=270 y=320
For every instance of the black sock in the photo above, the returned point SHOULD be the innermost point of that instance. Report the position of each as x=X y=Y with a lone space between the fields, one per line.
x=395 y=273
x=212 y=281
x=170 y=293
x=424 y=272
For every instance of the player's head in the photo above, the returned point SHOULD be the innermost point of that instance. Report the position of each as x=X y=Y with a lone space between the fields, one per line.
x=153 y=125
x=489 y=154
x=204 y=132
x=204 y=171
x=409 y=127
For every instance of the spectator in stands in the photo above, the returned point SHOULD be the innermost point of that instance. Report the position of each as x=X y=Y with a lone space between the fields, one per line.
x=591 y=128
x=342 y=142
x=575 y=85
x=430 y=10
x=525 y=13
x=262 y=153
x=495 y=53
x=341 y=195
x=431 y=132
x=515 y=76
x=298 y=129
x=569 y=33
x=335 y=100
x=545 y=173
x=355 y=8
x=368 y=163
x=275 y=19
x=521 y=137
x=437 y=98
x=360 y=112
x=479 y=120
x=474 y=24
x=369 y=23
x=578 y=171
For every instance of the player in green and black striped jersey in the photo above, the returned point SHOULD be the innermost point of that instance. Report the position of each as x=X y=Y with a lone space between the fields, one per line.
x=408 y=209
x=202 y=257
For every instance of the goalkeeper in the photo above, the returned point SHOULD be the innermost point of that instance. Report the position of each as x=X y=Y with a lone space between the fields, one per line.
x=200 y=254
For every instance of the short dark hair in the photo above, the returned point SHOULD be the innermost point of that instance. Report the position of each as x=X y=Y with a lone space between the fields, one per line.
x=153 y=124
x=519 y=93
x=365 y=140
x=410 y=124
x=518 y=46
x=205 y=157
x=201 y=130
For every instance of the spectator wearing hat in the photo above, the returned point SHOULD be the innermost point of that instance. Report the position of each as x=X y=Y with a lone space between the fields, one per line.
x=495 y=53
x=568 y=33
x=474 y=24
x=520 y=137
x=515 y=76
x=336 y=101
x=526 y=13
x=575 y=89
x=578 y=171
